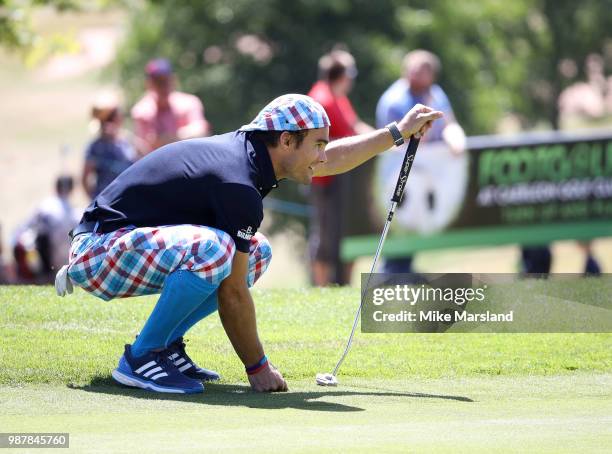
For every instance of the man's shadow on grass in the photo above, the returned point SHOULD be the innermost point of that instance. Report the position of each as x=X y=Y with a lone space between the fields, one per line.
x=242 y=396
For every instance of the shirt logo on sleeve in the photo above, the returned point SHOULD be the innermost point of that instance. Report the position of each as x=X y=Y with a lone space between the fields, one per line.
x=245 y=234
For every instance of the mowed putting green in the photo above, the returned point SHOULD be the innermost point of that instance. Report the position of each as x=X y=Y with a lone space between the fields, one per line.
x=398 y=392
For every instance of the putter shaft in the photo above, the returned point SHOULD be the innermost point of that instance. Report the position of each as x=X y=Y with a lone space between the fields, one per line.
x=381 y=243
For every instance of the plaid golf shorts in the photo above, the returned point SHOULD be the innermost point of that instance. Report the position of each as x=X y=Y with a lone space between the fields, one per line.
x=135 y=261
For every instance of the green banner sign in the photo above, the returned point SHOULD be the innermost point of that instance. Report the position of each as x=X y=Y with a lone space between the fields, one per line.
x=527 y=184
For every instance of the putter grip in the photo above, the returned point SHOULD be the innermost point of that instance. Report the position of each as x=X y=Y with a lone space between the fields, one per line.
x=405 y=170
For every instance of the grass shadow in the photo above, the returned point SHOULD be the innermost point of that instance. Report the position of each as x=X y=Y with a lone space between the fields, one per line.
x=242 y=396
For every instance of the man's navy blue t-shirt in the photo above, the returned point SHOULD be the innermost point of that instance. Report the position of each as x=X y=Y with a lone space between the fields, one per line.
x=216 y=181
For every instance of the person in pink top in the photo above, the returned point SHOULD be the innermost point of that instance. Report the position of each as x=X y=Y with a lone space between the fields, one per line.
x=164 y=115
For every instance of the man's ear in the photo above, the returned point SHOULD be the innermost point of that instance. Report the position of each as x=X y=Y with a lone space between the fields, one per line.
x=285 y=139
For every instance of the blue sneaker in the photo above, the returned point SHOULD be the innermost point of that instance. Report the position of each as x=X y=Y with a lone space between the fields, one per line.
x=186 y=365
x=155 y=372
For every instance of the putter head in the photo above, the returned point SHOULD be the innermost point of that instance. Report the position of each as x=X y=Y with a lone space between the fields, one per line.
x=327 y=380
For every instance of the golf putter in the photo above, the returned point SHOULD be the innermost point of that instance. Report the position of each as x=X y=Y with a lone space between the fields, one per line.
x=330 y=379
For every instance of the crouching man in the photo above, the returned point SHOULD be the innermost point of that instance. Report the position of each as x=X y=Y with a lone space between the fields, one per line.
x=183 y=222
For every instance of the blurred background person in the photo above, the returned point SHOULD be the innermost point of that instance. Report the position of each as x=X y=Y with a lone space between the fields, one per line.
x=420 y=69
x=41 y=245
x=7 y=274
x=109 y=154
x=337 y=71
x=579 y=102
x=164 y=115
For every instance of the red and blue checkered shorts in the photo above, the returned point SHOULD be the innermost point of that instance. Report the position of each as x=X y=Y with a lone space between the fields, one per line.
x=135 y=261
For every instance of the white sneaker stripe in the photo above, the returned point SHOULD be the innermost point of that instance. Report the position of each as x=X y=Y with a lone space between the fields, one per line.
x=179 y=361
x=155 y=377
x=185 y=367
x=152 y=371
x=145 y=367
x=173 y=356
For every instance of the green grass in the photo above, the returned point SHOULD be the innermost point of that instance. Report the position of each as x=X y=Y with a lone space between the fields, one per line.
x=398 y=392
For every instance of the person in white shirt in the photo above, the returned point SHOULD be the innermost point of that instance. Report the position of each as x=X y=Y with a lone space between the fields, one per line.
x=41 y=245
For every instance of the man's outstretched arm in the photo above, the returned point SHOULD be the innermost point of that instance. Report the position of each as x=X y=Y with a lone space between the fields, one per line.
x=237 y=313
x=350 y=152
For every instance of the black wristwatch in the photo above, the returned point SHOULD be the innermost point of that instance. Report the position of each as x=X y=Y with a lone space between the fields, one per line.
x=398 y=139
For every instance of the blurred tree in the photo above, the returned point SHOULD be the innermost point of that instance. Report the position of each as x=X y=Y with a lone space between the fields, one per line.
x=18 y=32
x=15 y=20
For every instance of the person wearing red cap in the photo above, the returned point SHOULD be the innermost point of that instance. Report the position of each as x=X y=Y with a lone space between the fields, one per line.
x=164 y=115
x=183 y=221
